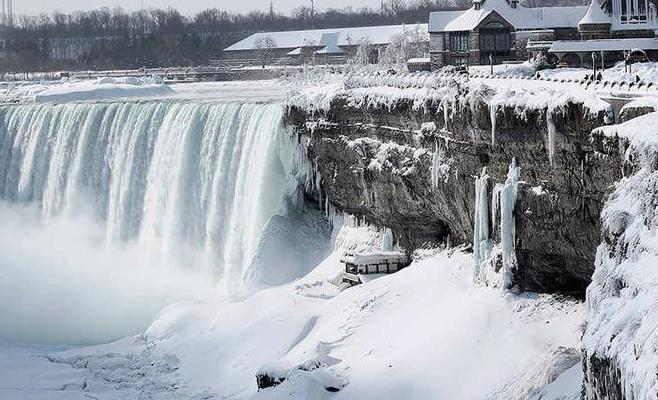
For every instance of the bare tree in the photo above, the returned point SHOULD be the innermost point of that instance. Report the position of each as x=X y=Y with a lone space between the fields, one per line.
x=265 y=46
x=362 y=56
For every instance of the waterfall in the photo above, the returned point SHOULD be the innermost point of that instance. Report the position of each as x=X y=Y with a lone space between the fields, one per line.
x=178 y=178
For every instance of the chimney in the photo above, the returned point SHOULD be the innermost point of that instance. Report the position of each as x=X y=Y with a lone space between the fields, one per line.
x=513 y=3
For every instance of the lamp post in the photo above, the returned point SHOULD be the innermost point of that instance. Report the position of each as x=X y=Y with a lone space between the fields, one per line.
x=593 y=66
x=491 y=63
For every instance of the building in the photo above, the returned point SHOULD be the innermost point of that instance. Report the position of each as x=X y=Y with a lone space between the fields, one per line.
x=609 y=33
x=504 y=30
x=320 y=45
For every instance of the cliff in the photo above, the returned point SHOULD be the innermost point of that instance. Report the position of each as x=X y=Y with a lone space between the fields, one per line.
x=409 y=163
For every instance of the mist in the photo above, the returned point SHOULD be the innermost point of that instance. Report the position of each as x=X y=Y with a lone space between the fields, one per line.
x=61 y=282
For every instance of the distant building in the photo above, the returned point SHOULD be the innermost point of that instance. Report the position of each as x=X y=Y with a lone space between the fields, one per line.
x=320 y=45
x=504 y=30
x=609 y=32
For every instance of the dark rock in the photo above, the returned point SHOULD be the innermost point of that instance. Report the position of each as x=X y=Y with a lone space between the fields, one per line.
x=557 y=231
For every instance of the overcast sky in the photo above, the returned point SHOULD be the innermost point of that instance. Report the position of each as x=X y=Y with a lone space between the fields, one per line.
x=185 y=6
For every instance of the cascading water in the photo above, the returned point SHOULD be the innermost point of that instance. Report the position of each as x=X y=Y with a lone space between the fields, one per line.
x=193 y=182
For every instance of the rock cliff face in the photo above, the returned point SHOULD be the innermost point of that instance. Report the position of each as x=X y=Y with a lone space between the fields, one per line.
x=412 y=169
x=619 y=343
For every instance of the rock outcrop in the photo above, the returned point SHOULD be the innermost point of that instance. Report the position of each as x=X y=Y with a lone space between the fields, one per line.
x=412 y=169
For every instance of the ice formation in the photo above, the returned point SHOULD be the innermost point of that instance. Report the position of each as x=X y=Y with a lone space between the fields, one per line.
x=387 y=240
x=507 y=223
x=481 y=242
x=493 y=109
x=552 y=132
x=485 y=251
x=440 y=166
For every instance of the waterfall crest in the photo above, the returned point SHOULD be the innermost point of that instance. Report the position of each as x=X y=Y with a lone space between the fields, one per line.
x=188 y=180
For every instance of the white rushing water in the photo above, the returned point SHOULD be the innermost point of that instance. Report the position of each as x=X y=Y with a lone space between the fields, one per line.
x=189 y=184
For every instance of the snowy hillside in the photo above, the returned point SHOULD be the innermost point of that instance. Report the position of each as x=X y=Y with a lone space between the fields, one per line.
x=428 y=330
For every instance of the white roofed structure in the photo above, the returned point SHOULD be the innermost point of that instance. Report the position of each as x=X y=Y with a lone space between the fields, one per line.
x=521 y=18
x=339 y=37
x=595 y=15
x=578 y=46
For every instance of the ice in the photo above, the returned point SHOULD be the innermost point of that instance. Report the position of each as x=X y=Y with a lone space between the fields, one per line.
x=387 y=241
x=481 y=242
x=493 y=109
x=507 y=223
x=102 y=89
x=552 y=132
x=485 y=250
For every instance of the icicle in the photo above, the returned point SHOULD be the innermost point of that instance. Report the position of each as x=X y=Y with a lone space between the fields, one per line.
x=440 y=166
x=495 y=202
x=481 y=243
x=507 y=224
x=436 y=164
x=552 y=131
x=387 y=240
x=446 y=117
x=493 y=109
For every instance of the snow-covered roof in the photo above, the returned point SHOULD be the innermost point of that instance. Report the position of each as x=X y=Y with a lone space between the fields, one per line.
x=595 y=15
x=330 y=50
x=330 y=42
x=296 y=52
x=574 y=46
x=519 y=17
x=343 y=36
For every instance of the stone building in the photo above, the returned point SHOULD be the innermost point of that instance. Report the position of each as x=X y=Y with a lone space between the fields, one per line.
x=504 y=30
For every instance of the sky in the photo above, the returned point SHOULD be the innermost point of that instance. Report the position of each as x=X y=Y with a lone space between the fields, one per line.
x=186 y=6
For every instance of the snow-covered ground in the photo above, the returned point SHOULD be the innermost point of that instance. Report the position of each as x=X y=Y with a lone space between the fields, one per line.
x=428 y=331
x=648 y=72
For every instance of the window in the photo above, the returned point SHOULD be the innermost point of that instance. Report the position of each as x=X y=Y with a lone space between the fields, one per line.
x=459 y=41
x=494 y=42
x=458 y=61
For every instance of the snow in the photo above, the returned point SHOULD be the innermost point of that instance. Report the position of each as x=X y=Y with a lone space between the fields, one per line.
x=648 y=72
x=425 y=331
x=520 y=18
x=568 y=46
x=638 y=131
x=622 y=318
x=595 y=15
x=378 y=89
x=256 y=91
x=377 y=35
x=102 y=89
x=524 y=69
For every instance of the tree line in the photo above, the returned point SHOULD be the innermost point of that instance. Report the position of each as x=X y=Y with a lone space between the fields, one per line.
x=114 y=38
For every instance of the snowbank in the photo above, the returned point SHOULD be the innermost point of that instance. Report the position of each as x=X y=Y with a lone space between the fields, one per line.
x=380 y=89
x=102 y=89
x=425 y=332
x=647 y=72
